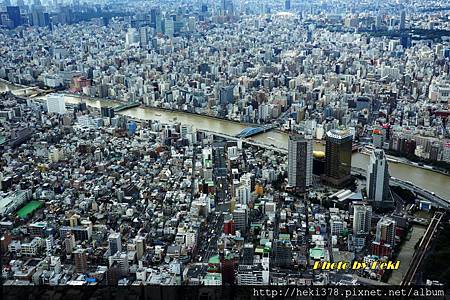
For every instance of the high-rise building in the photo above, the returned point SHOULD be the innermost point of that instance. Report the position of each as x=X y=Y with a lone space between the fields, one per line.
x=219 y=159
x=378 y=180
x=69 y=243
x=80 y=259
x=169 y=27
x=39 y=18
x=113 y=274
x=226 y=95
x=240 y=217
x=121 y=260
x=155 y=17
x=227 y=7
x=107 y=112
x=287 y=4
x=243 y=193
x=300 y=162
x=338 y=159
x=229 y=227
x=362 y=215
x=402 y=24
x=49 y=244
x=131 y=37
x=115 y=243
x=378 y=21
x=228 y=265
x=385 y=231
x=144 y=36
x=139 y=241
x=56 y=104
x=13 y=13
x=384 y=242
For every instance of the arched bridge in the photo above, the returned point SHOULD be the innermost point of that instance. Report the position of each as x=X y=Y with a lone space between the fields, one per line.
x=252 y=131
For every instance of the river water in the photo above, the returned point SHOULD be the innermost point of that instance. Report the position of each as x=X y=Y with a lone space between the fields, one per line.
x=429 y=180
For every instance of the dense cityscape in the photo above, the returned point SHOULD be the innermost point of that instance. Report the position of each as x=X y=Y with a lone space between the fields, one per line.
x=224 y=142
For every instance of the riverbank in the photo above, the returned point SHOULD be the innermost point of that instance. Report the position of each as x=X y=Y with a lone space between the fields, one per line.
x=422 y=178
x=164 y=109
x=400 y=159
x=404 y=160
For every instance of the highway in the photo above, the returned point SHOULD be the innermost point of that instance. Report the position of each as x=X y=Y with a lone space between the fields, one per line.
x=429 y=195
x=208 y=246
x=422 y=249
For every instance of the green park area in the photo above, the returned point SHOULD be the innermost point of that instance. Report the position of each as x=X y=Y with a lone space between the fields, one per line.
x=29 y=208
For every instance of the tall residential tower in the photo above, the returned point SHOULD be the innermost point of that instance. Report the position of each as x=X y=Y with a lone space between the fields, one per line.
x=300 y=161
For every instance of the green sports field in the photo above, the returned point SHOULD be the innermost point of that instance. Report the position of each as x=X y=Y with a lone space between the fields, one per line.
x=29 y=208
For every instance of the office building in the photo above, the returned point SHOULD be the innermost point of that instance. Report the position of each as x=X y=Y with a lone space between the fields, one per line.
x=402 y=24
x=300 y=163
x=169 y=27
x=226 y=95
x=384 y=242
x=287 y=4
x=240 y=218
x=69 y=243
x=139 y=242
x=144 y=36
x=39 y=18
x=107 y=112
x=228 y=264
x=362 y=222
x=243 y=193
x=227 y=7
x=120 y=259
x=115 y=243
x=378 y=180
x=338 y=157
x=362 y=216
x=378 y=21
x=13 y=13
x=56 y=104
x=80 y=259
x=131 y=37
x=220 y=172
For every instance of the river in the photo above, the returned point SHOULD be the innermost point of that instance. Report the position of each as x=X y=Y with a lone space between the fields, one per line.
x=427 y=179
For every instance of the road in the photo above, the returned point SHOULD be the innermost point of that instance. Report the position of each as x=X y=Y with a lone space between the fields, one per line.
x=430 y=196
x=208 y=247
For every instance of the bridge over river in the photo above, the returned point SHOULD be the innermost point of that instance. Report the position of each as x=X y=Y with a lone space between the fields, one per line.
x=424 y=179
